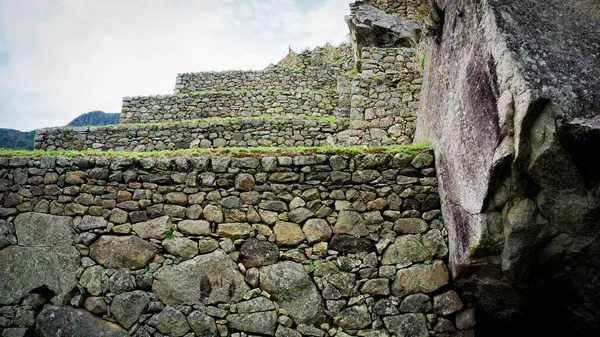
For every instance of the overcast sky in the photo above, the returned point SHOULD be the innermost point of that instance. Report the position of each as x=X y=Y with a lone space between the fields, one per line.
x=62 y=58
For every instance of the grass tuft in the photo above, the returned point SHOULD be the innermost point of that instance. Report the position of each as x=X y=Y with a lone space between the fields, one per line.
x=230 y=151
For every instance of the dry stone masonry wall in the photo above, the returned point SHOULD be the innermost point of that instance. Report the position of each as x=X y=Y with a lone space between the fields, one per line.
x=384 y=98
x=312 y=245
x=406 y=9
x=247 y=132
x=169 y=108
x=313 y=78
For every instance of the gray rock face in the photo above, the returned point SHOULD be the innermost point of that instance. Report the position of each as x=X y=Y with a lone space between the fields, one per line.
x=122 y=252
x=128 y=307
x=420 y=278
x=408 y=325
x=294 y=290
x=258 y=322
x=154 y=229
x=356 y=317
x=181 y=247
x=206 y=279
x=255 y=253
x=407 y=248
x=520 y=176
x=26 y=268
x=66 y=321
x=171 y=322
x=194 y=227
x=202 y=325
x=38 y=229
x=351 y=223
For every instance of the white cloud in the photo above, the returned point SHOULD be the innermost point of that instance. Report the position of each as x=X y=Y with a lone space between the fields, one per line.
x=68 y=57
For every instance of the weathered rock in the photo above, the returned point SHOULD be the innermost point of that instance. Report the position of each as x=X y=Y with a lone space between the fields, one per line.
x=376 y=287
x=524 y=130
x=407 y=325
x=171 y=321
x=344 y=282
x=283 y=331
x=356 y=317
x=316 y=230
x=351 y=223
x=407 y=248
x=294 y=290
x=92 y=222
x=206 y=279
x=421 y=278
x=154 y=229
x=207 y=245
x=447 y=303
x=72 y=322
x=95 y=305
x=384 y=307
x=38 y=229
x=91 y=280
x=416 y=303
x=255 y=305
x=350 y=244
x=21 y=272
x=234 y=230
x=181 y=247
x=194 y=227
x=435 y=244
x=213 y=213
x=122 y=252
x=410 y=226
x=298 y=215
x=288 y=233
x=255 y=253
x=258 y=322
x=244 y=182
x=121 y=281
x=275 y=206
x=465 y=319
x=128 y=307
x=202 y=325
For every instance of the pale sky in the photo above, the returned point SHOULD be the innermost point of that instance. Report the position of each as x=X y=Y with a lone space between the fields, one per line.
x=62 y=58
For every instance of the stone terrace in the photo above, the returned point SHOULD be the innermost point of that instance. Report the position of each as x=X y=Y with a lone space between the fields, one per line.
x=292 y=242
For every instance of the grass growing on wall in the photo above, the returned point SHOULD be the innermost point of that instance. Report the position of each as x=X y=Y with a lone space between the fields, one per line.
x=231 y=151
x=155 y=126
x=256 y=92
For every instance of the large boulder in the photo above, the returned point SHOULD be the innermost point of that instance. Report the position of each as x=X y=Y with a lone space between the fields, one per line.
x=66 y=321
x=122 y=252
x=294 y=290
x=510 y=103
x=205 y=279
x=45 y=257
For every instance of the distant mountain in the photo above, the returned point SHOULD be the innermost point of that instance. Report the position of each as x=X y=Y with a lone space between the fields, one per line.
x=95 y=118
x=15 y=139
x=20 y=140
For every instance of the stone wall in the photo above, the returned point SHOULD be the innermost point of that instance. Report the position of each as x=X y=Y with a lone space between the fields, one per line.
x=274 y=78
x=167 y=108
x=407 y=9
x=247 y=132
x=307 y=244
x=384 y=98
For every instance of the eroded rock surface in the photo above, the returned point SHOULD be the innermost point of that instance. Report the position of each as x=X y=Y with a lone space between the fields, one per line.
x=206 y=279
x=510 y=102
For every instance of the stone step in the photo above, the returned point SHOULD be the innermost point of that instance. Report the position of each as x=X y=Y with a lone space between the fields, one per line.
x=206 y=133
x=167 y=108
